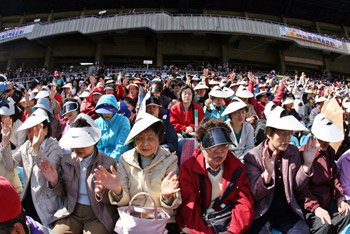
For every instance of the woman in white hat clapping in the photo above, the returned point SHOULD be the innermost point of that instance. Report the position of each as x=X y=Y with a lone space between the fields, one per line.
x=326 y=211
x=146 y=168
x=277 y=175
x=87 y=209
x=40 y=146
x=242 y=133
x=215 y=105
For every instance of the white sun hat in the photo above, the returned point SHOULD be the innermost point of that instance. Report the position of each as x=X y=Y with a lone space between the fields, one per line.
x=80 y=137
x=287 y=101
x=67 y=85
x=200 y=85
x=229 y=92
x=346 y=103
x=325 y=130
x=42 y=94
x=217 y=92
x=143 y=121
x=9 y=108
x=37 y=117
x=235 y=105
x=214 y=82
x=84 y=94
x=320 y=99
x=276 y=120
x=31 y=97
x=243 y=92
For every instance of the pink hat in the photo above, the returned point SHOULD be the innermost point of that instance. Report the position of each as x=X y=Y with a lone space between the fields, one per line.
x=10 y=204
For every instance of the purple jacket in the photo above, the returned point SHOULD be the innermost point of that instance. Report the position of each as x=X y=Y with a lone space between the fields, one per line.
x=294 y=178
x=343 y=165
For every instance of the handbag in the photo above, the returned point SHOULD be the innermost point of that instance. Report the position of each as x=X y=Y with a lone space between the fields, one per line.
x=219 y=220
x=141 y=220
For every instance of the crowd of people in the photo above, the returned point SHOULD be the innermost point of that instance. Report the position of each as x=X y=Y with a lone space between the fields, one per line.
x=266 y=155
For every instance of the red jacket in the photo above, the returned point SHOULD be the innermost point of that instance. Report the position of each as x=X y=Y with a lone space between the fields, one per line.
x=259 y=107
x=177 y=116
x=120 y=92
x=88 y=107
x=189 y=213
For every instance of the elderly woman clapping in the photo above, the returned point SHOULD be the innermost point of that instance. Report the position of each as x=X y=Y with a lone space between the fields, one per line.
x=146 y=168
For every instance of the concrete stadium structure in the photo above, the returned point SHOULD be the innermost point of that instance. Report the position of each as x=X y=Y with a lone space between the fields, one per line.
x=213 y=36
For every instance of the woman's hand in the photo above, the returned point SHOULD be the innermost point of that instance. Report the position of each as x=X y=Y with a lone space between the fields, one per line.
x=39 y=136
x=6 y=131
x=99 y=189
x=49 y=172
x=323 y=215
x=343 y=207
x=269 y=164
x=170 y=185
x=309 y=153
x=108 y=180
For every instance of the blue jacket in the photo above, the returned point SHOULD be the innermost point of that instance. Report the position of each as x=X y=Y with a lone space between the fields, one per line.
x=214 y=113
x=114 y=131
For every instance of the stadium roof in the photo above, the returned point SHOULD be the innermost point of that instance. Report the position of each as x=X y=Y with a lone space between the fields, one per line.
x=329 y=11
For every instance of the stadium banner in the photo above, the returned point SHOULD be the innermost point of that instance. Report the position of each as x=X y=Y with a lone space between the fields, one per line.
x=16 y=32
x=311 y=37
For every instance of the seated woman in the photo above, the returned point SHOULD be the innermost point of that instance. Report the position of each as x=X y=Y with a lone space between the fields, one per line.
x=88 y=106
x=215 y=105
x=212 y=171
x=154 y=107
x=326 y=211
x=182 y=114
x=146 y=168
x=276 y=174
x=114 y=127
x=40 y=146
x=242 y=133
x=87 y=209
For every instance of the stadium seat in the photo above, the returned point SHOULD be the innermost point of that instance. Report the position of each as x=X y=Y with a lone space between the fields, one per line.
x=185 y=149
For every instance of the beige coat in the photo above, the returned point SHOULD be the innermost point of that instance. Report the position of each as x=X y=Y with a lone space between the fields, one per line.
x=135 y=180
x=41 y=194
x=12 y=176
x=68 y=188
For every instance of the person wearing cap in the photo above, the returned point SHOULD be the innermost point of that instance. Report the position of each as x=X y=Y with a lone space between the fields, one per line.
x=314 y=112
x=325 y=209
x=182 y=114
x=86 y=206
x=215 y=106
x=109 y=89
x=170 y=139
x=157 y=89
x=244 y=94
x=242 y=133
x=213 y=166
x=308 y=107
x=133 y=91
x=288 y=105
x=67 y=91
x=89 y=106
x=114 y=127
x=10 y=116
x=262 y=97
x=278 y=174
x=148 y=167
x=70 y=112
x=201 y=94
x=40 y=146
x=28 y=102
x=12 y=216
x=45 y=104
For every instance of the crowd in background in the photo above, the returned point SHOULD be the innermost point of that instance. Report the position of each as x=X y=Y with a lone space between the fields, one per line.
x=77 y=144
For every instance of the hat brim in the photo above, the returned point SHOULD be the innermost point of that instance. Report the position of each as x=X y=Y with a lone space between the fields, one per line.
x=285 y=123
x=32 y=121
x=80 y=137
x=232 y=107
x=104 y=111
x=142 y=123
x=43 y=107
x=326 y=130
